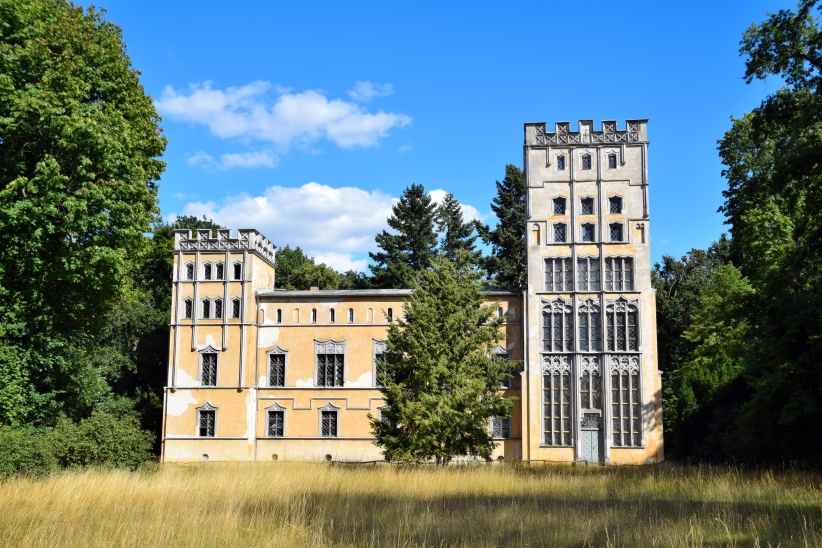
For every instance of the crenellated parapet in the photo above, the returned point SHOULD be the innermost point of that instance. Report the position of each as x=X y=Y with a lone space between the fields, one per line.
x=635 y=131
x=246 y=239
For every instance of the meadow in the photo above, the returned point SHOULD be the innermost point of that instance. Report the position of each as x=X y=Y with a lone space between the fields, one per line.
x=291 y=504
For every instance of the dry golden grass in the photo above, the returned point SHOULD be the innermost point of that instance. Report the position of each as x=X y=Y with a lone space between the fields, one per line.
x=289 y=504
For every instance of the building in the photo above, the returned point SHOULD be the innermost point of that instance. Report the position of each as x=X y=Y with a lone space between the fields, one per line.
x=257 y=373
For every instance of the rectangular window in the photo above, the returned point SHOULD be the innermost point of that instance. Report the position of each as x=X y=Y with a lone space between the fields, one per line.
x=313 y=315
x=207 y=271
x=615 y=204
x=279 y=315
x=208 y=370
x=500 y=427
x=559 y=206
x=557 y=408
x=328 y=424
x=590 y=390
x=390 y=315
x=350 y=315
x=561 y=162
x=276 y=423
x=218 y=308
x=619 y=274
x=616 y=232
x=206 y=309
x=560 y=233
x=330 y=369
x=379 y=362
x=587 y=206
x=189 y=271
x=235 y=308
x=557 y=328
x=589 y=325
x=588 y=232
x=220 y=271
x=625 y=408
x=238 y=271
x=586 y=161
x=332 y=315
x=206 y=421
x=188 y=309
x=588 y=278
x=558 y=275
x=622 y=325
x=276 y=370
x=612 y=161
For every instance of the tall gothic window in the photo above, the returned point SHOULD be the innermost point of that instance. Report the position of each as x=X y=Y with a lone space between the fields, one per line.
x=276 y=369
x=619 y=274
x=586 y=161
x=350 y=315
x=556 y=400
x=561 y=162
x=189 y=308
x=189 y=271
x=207 y=271
x=615 y=204
x=588 y=232
x=589 y=323
x=332 y=315
x=560 y=232
x=276 y=422
x=622 y=324
x=557 y=327
x=206 y=309
x=330 y=364
x=590 y=383
x=218 y=308
x=235 y=308
x=208 y=369
x=313 y=315
x=220 y=271
x=558 y=275
x=206 y=419
x=500 y=427
x=238 y=271
x=559 y=206
x=279 y=315
x=625 y=401
x=587 y=206
x=379 y=362
x=612 y=161
x=328 y=422
x=588 y=278
x=617 y=232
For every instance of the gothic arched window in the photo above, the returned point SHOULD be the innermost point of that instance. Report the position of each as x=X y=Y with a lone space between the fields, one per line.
x=557 y=327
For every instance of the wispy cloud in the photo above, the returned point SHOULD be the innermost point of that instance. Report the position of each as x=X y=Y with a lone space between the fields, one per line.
x=260 y=112
x=254 y=159
x=364 y=90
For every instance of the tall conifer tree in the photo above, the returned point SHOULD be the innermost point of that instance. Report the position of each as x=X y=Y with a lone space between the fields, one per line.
x=507 y=264
x=440 y=380
x=458 y=237
x=412 y=244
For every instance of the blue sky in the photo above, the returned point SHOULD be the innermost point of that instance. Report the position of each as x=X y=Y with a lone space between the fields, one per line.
x=307 y=119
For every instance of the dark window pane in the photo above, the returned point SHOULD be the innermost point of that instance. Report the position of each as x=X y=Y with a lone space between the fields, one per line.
x=587 y=206
x=615 y=204
x=616 y=232
x=559 y=206
x=559 y=232
x=276 y=423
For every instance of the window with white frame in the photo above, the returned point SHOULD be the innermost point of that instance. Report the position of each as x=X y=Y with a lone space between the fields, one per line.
x=206 y=305
x=379 y=362
x=617 y=232
x=559 y=206
x=276 y=368
x=330 y=363
x=622 y=325
x=500 y=427
x=590 y=383
x=588 y=232
x=619 y=274
x=560 y=232
x=556 y=400
x=586 y=161
x=276 y=421
x=589 y=325
x=612 y=161
x=560 y=162
x=329 y=422
x=206 y=421
x=587 y=206
x=558 y=275
x=207 y=271
x=189 y=271
x=588 y=278
x=220 y=271
x=235 y=308
x=218 y=308
x=625 y=401
x=615 y=204
x=238 y=271
x=557 y=327
x=208 y=369
x=188 y=309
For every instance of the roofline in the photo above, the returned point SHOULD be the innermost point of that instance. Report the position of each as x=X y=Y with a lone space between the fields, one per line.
x=325 y=293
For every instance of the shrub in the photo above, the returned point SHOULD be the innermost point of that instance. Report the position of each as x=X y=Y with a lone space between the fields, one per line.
x=102 y=439
x=25 y=451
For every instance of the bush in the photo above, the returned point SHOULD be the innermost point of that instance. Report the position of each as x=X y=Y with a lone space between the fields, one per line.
x=25 y=451
x=102 y=439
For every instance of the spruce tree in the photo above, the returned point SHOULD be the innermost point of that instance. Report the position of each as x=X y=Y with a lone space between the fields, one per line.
x=440 y=381
x=507 y=266
x=412 y=244
x=457 y=236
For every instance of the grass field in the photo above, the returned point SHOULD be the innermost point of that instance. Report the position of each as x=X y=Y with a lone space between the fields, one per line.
x=282 y=504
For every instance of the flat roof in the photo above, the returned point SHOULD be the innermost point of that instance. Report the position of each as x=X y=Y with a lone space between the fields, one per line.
x=314 y=293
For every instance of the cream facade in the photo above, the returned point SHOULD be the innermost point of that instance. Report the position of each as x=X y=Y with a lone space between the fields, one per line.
x=258 y=373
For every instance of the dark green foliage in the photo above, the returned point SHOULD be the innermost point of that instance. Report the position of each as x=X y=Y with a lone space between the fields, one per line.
x=296 y=270
x=441 y=383
x=25 y=451
x=507 y=265
x=103 y=439
x=410 y=246
x=457 y=236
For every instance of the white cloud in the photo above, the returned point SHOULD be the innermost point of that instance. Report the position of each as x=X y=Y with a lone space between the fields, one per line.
x=254 y=159
x=251 y=112
x=363 y=90
x=469 y=212
x=335 y=225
